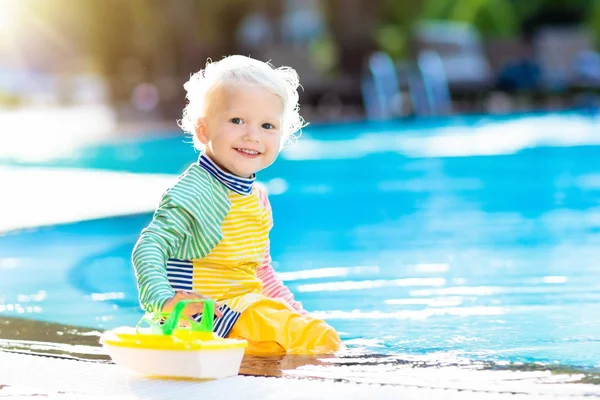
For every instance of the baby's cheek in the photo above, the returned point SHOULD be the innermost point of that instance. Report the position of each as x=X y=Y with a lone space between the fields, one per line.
x=278 y=141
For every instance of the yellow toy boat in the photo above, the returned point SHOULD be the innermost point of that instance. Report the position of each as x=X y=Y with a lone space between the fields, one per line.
x=170 y=350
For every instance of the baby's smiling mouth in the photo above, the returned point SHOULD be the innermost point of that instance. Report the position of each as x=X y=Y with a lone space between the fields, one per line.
x=247 y=152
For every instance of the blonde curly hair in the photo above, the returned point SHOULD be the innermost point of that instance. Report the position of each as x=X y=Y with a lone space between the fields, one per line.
x=237 y=69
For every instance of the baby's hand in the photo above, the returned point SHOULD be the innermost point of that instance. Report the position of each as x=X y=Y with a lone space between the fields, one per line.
x=191 y=309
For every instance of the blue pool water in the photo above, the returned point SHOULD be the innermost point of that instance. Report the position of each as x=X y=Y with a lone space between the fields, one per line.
x=461 y=239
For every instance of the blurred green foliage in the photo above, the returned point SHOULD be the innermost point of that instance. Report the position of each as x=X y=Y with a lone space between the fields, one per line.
x=171 y=37
x=493 y=18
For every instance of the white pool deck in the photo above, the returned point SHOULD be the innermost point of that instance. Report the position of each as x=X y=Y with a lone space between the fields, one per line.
x=25 y=376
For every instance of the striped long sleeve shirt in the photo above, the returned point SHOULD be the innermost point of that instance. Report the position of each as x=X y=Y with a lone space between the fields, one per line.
x=209 y=234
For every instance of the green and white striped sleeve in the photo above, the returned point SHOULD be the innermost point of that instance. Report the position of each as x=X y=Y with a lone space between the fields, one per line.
x=157 y=243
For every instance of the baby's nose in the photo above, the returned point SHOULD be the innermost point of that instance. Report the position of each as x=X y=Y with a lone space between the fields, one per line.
x=252 y=132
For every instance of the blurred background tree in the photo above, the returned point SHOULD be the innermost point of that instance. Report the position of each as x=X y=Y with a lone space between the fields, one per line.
x=493 y=18
x=161 y=42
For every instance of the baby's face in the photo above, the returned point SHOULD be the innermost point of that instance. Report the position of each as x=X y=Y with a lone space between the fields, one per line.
x=242 y=131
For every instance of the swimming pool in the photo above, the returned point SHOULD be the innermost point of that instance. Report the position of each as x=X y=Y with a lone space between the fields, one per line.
x=474 y=238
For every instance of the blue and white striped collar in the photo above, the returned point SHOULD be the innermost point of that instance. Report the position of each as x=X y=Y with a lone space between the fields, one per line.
x=233 y=182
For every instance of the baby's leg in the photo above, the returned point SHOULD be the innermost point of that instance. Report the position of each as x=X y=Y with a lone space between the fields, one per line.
x=270 y=328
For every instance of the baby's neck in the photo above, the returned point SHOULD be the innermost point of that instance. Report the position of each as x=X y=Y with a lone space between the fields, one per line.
x=238 y=184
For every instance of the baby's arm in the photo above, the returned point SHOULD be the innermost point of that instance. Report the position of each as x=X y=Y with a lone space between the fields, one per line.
x=157 y=243
x=272 y=285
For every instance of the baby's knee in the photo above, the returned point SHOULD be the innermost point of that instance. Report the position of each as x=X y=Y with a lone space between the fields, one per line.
x=318 y=337
x=329 y=336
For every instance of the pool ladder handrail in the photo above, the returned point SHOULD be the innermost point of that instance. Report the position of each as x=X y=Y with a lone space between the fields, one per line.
x=426 y=80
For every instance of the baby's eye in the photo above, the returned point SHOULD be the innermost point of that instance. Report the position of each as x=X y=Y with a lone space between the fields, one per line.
x=268 y=126
x=236 y=121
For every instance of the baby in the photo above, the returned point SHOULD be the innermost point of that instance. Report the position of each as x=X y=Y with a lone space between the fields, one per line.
x=209 y=237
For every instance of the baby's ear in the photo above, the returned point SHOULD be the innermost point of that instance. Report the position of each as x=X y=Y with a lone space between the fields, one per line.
x=201 y=131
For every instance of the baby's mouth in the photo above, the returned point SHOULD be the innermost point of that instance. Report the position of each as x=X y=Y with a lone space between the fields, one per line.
x=248 y=152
